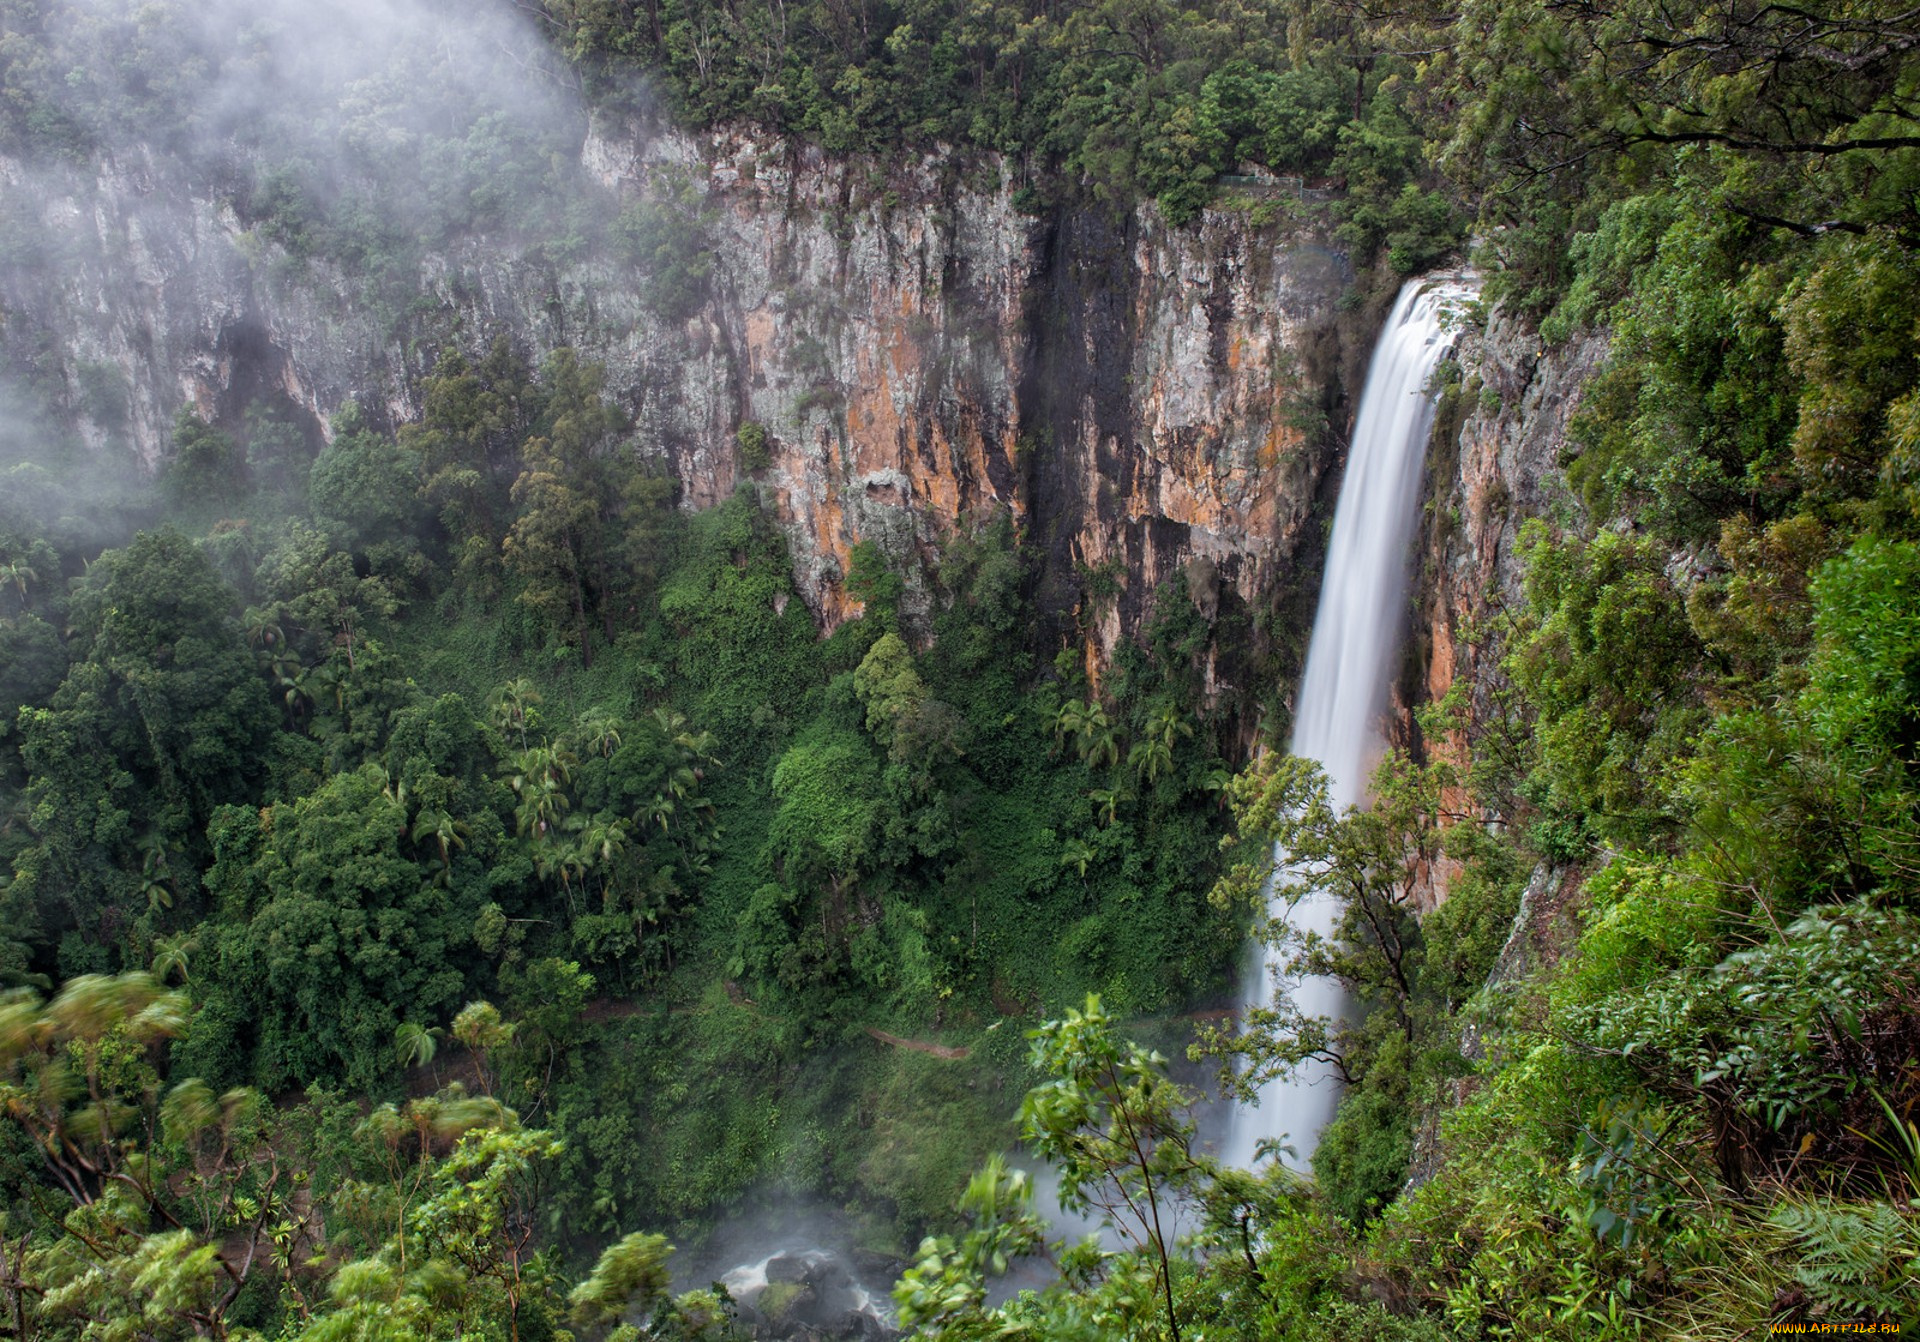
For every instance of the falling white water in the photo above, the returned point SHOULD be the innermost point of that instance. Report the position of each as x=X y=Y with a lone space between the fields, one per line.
x=1356 y=631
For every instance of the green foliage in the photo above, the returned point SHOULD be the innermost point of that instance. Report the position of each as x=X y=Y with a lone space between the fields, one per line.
x=1693 y=424
x=1560 y=116
x=1362 y=1157
x=631 y=1274
x=741 y=636
x=207 y=466
x=1688 y=1120
x=572 y=494
x=1863 y=680
x=1857 y=1262
x=1710 y=671
x=942 y=1293
x=662 y=236
x=756 y=452
x=336 y=930
x=702 y=1118
x=316 y=596
x=1607 y=659
x=364 y=488
x=163 y=1182
x=1122 y=101
x=1465 y=935
x=824 y=827
x=278 y=456
x=1753 y=1031
x=1379 y=155
x=1291 y=846
x=872 y=582
x=159 y=720
x=1116 y=1128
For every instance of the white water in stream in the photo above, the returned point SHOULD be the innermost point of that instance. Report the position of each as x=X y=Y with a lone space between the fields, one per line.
x=1356 y=632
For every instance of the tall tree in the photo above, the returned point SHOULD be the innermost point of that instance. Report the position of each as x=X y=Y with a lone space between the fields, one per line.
x=160 y=719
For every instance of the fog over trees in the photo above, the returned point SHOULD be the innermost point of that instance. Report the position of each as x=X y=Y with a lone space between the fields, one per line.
x=443 y=869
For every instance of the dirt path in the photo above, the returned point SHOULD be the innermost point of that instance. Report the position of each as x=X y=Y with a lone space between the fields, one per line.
x=946 y=1051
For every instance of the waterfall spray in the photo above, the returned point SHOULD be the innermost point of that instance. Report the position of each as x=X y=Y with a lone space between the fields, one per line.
x=1356 y=631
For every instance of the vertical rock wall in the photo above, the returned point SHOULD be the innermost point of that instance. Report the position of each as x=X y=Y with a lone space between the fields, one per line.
x=1141 y=399
x=1494 y=463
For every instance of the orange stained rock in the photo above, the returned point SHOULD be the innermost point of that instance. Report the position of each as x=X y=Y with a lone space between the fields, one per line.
x=761 y=330
x=1440 y=663
x=938 y=491
x=1280 y=441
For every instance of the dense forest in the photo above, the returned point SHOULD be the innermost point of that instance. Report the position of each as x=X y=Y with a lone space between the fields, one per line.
x=439 y=866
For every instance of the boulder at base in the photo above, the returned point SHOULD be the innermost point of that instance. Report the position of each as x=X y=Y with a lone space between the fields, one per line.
x=807 y=1295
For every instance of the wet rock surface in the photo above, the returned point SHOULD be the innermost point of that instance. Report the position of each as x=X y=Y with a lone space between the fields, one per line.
x=808 y=1295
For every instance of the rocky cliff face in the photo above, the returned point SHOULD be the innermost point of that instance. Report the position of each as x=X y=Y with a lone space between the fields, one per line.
x=1494 y=463
x=1141 y=399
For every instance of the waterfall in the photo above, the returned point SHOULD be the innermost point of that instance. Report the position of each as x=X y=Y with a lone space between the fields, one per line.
x=1356 y=631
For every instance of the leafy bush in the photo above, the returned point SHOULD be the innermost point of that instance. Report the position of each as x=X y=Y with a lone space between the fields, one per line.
x=755 y=447
x=1361 y=1161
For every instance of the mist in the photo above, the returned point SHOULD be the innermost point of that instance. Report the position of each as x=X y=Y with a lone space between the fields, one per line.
x=430 y=113
x=166 y=167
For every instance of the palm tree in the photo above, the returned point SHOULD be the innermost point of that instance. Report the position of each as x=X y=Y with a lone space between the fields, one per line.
x=695 y=747
x=156 y=877
x=1165 y=724
x=288 y=678
x=1108 y=800
x=480 y=1029
x=650 y=901
x=1095 y=739
x=682 y=780
x=543 y=803
x=1218 y=779
x=416 y=1044
x=19 y=573
x=598 y=731
x=395 y=791
x=169 y=958
x=327 y=680
x=572 y=860
x=560 y=852
x=1150 y=758
x=1070 y=721
x=539 y=777
x=541 y=762
x=513 y=708
x=1102 y=740
x=1078 y=856
x=447 y=834
x=159 y=894
x=263 y=629
x=660 y=810
x=545 y=856
x=604 y=840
